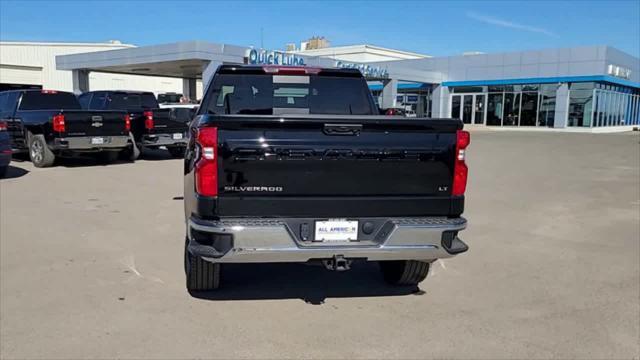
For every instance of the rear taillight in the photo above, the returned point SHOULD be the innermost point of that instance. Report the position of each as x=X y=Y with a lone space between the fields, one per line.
x=460 y=170
x=127 y=122
x=148 y=120
x=206 y=168
x=3 y=126
x=58 y=123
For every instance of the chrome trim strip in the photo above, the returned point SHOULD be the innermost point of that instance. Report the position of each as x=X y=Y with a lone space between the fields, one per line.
x=84 y=142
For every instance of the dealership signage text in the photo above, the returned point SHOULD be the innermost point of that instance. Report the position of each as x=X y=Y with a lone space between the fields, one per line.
x=265 y=57
x=366 y=70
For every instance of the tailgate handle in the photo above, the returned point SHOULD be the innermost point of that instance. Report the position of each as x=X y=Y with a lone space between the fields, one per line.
x=342 y=129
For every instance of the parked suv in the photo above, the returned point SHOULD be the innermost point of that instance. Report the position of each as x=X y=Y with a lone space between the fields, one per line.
x=295 y=164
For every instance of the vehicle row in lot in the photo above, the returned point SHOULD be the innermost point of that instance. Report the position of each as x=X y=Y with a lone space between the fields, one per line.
x=48 y=124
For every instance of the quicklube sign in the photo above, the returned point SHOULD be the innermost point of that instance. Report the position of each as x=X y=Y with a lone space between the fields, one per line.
x=366 y=70
x=265 y=57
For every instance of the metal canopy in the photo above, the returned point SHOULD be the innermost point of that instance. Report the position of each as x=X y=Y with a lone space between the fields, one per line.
x=183 y=59
x=192 y=60
x=192 y=68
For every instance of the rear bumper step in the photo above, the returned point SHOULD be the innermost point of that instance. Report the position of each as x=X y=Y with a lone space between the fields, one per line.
x=261 y=240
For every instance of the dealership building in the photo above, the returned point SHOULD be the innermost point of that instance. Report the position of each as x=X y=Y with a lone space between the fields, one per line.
x=587 y=88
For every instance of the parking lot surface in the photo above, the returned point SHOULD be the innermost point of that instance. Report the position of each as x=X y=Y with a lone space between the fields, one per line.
x=92 y=267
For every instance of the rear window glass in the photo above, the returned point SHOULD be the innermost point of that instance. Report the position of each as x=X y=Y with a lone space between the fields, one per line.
x=169 y=98
x=277 y=94
x=127 y=101
x=36 y=100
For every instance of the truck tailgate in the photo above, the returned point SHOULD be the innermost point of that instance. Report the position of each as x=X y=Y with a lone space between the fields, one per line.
x=94 y=123
x=169 y=121
x=332 y=165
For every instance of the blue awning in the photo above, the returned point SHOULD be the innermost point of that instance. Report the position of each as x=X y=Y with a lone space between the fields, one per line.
x=402 y=86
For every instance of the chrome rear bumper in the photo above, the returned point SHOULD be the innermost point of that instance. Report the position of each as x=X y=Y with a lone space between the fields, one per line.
x=85 y=142
x=164 y=139
x=244 y=241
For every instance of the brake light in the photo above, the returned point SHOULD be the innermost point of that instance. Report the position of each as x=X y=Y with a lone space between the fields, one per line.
x=460 y=170
x=127 y=122
x=48 y=92
x=3 y=126
x=206 y=169
x=58 y=123
x=148 y=120
x=291 y=70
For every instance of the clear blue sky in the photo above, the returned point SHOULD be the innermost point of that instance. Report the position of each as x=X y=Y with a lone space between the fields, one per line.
x=429 y=27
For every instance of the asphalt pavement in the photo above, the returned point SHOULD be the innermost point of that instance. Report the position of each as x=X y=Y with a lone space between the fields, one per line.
x=91 y=266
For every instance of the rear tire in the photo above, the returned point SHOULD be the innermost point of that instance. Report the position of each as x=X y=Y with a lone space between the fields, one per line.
x=177 y=151
x=201 y=275
x=3 y=171
x=404 y=272
x=39 y=153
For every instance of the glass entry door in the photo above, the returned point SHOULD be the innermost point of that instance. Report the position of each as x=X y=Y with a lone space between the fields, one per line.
x=469 y=108
x=478 y=109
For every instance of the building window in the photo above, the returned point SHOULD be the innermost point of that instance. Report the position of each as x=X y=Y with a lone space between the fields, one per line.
x=615 y=108
x=511 y=116
x=494 y=110
x=467 y=89
x=455 y=107
x=547 y=107
x=529 y=110
x=580 y=104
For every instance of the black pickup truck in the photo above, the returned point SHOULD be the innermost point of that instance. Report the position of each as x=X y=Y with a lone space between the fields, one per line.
x=295 y=164
x=49 y=123
x=151 y=127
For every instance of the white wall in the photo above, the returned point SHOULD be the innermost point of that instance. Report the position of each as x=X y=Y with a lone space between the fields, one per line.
x=361 y=53
x=15 y=57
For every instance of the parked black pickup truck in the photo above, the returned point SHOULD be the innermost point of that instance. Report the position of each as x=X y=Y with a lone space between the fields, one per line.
x=151 y=127
x=294 y=164
x=49 y=123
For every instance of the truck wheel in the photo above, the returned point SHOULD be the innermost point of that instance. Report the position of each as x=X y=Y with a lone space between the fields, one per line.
x=201 y=274
x=177 y=151
x=39 y=152
x=404 y=272
x=108 y=157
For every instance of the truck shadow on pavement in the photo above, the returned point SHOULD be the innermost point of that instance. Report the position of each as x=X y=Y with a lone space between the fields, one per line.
x=312 y=284
x=89 y=161
x=14 y=172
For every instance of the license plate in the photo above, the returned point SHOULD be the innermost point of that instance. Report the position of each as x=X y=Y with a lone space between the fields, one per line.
x=177 y=136
x=336 y=230
x=97 y=141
